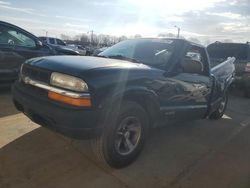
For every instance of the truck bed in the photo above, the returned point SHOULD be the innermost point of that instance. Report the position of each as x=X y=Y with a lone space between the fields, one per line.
x=224 y=70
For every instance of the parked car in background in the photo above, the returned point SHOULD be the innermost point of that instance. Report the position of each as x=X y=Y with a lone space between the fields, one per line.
x=89 y=50
x=115 y=98
x=79 y=48
x=53 y=41
x=16 y=46
x=99 y=50
x=219 y=51
x=59 y=46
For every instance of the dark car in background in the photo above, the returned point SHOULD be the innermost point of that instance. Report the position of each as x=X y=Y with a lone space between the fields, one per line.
x=53 y=41
x=99 y=50
x=16 y=46
x=219 y=51
x=79 y=48
x=89 y=50
x=59 y=46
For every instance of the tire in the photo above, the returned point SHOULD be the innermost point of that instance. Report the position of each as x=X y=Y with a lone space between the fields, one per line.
x=113 y=147
x=221 y=109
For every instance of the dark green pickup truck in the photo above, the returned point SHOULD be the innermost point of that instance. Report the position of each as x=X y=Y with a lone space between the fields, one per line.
x=116 y=97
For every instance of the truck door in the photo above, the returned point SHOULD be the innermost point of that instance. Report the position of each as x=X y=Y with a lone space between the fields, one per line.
x=191 y=86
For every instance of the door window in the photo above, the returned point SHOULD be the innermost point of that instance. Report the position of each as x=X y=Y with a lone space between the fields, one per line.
x=195 y=61
x=51 y=41
x=14 y=37
x=59 y=42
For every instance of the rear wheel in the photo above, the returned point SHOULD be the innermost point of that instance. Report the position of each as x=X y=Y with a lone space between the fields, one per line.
x=221 y=109
x=123 y=137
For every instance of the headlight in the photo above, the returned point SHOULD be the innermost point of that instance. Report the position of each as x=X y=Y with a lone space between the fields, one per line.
x=68 y=82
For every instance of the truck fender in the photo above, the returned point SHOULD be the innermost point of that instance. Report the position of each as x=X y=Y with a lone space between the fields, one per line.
x=148 y=99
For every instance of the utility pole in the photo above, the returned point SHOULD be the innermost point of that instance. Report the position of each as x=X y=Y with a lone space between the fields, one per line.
x=46 y=32
x=178 y=31
x=91 y=36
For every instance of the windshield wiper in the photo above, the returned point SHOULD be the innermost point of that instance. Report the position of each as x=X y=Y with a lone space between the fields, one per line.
x=123 y=58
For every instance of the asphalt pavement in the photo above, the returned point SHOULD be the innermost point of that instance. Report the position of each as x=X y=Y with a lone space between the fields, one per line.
x=198 y=154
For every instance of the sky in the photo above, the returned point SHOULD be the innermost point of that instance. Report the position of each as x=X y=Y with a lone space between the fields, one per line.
x=205 y=20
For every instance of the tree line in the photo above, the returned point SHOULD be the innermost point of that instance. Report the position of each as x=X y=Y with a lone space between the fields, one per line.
x=95 y=40
x=100 y=40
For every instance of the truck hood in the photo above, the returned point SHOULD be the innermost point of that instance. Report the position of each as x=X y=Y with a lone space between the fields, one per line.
x=76 y=65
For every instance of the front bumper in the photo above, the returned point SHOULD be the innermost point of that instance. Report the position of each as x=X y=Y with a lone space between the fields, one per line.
x=74 y=122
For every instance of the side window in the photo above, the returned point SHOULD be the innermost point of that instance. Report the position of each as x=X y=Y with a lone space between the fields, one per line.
x=196 y=55
x=51 y=41
x=194 y=61
x=59 y=42
x=3 y=35
x=12 y=36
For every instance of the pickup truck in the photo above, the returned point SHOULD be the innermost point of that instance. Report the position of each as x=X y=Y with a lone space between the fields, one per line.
x=219 y=51
x=115 y=98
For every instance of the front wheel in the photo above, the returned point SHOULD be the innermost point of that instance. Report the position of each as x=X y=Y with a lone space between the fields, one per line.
x=221 y=109
x=123 y=136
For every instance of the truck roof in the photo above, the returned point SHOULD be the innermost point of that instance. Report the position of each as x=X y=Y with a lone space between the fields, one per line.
x=174 y=39
x=223 y=50
x=230 y=43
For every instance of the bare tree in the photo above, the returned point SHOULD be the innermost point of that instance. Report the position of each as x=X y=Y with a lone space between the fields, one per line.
x=97 y=40
x=137 y=36
x=121 y=38
x=168 y=35
x=65 y=37
x=84 y=38
x=104 y=40
x=76 y=38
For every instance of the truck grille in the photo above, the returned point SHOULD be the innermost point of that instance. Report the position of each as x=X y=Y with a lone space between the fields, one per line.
x=36 y=73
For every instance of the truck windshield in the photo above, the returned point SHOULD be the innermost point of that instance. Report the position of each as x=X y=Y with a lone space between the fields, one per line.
x=224 y=50
x=155 y=52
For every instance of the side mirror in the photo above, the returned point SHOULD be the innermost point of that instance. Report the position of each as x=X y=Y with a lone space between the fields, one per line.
x=39 y=44
x=192 y=66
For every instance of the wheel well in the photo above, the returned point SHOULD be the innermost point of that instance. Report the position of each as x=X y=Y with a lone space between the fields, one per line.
x=149 y=105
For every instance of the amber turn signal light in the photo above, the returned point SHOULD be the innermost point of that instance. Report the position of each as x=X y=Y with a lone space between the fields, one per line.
x=84 y=102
